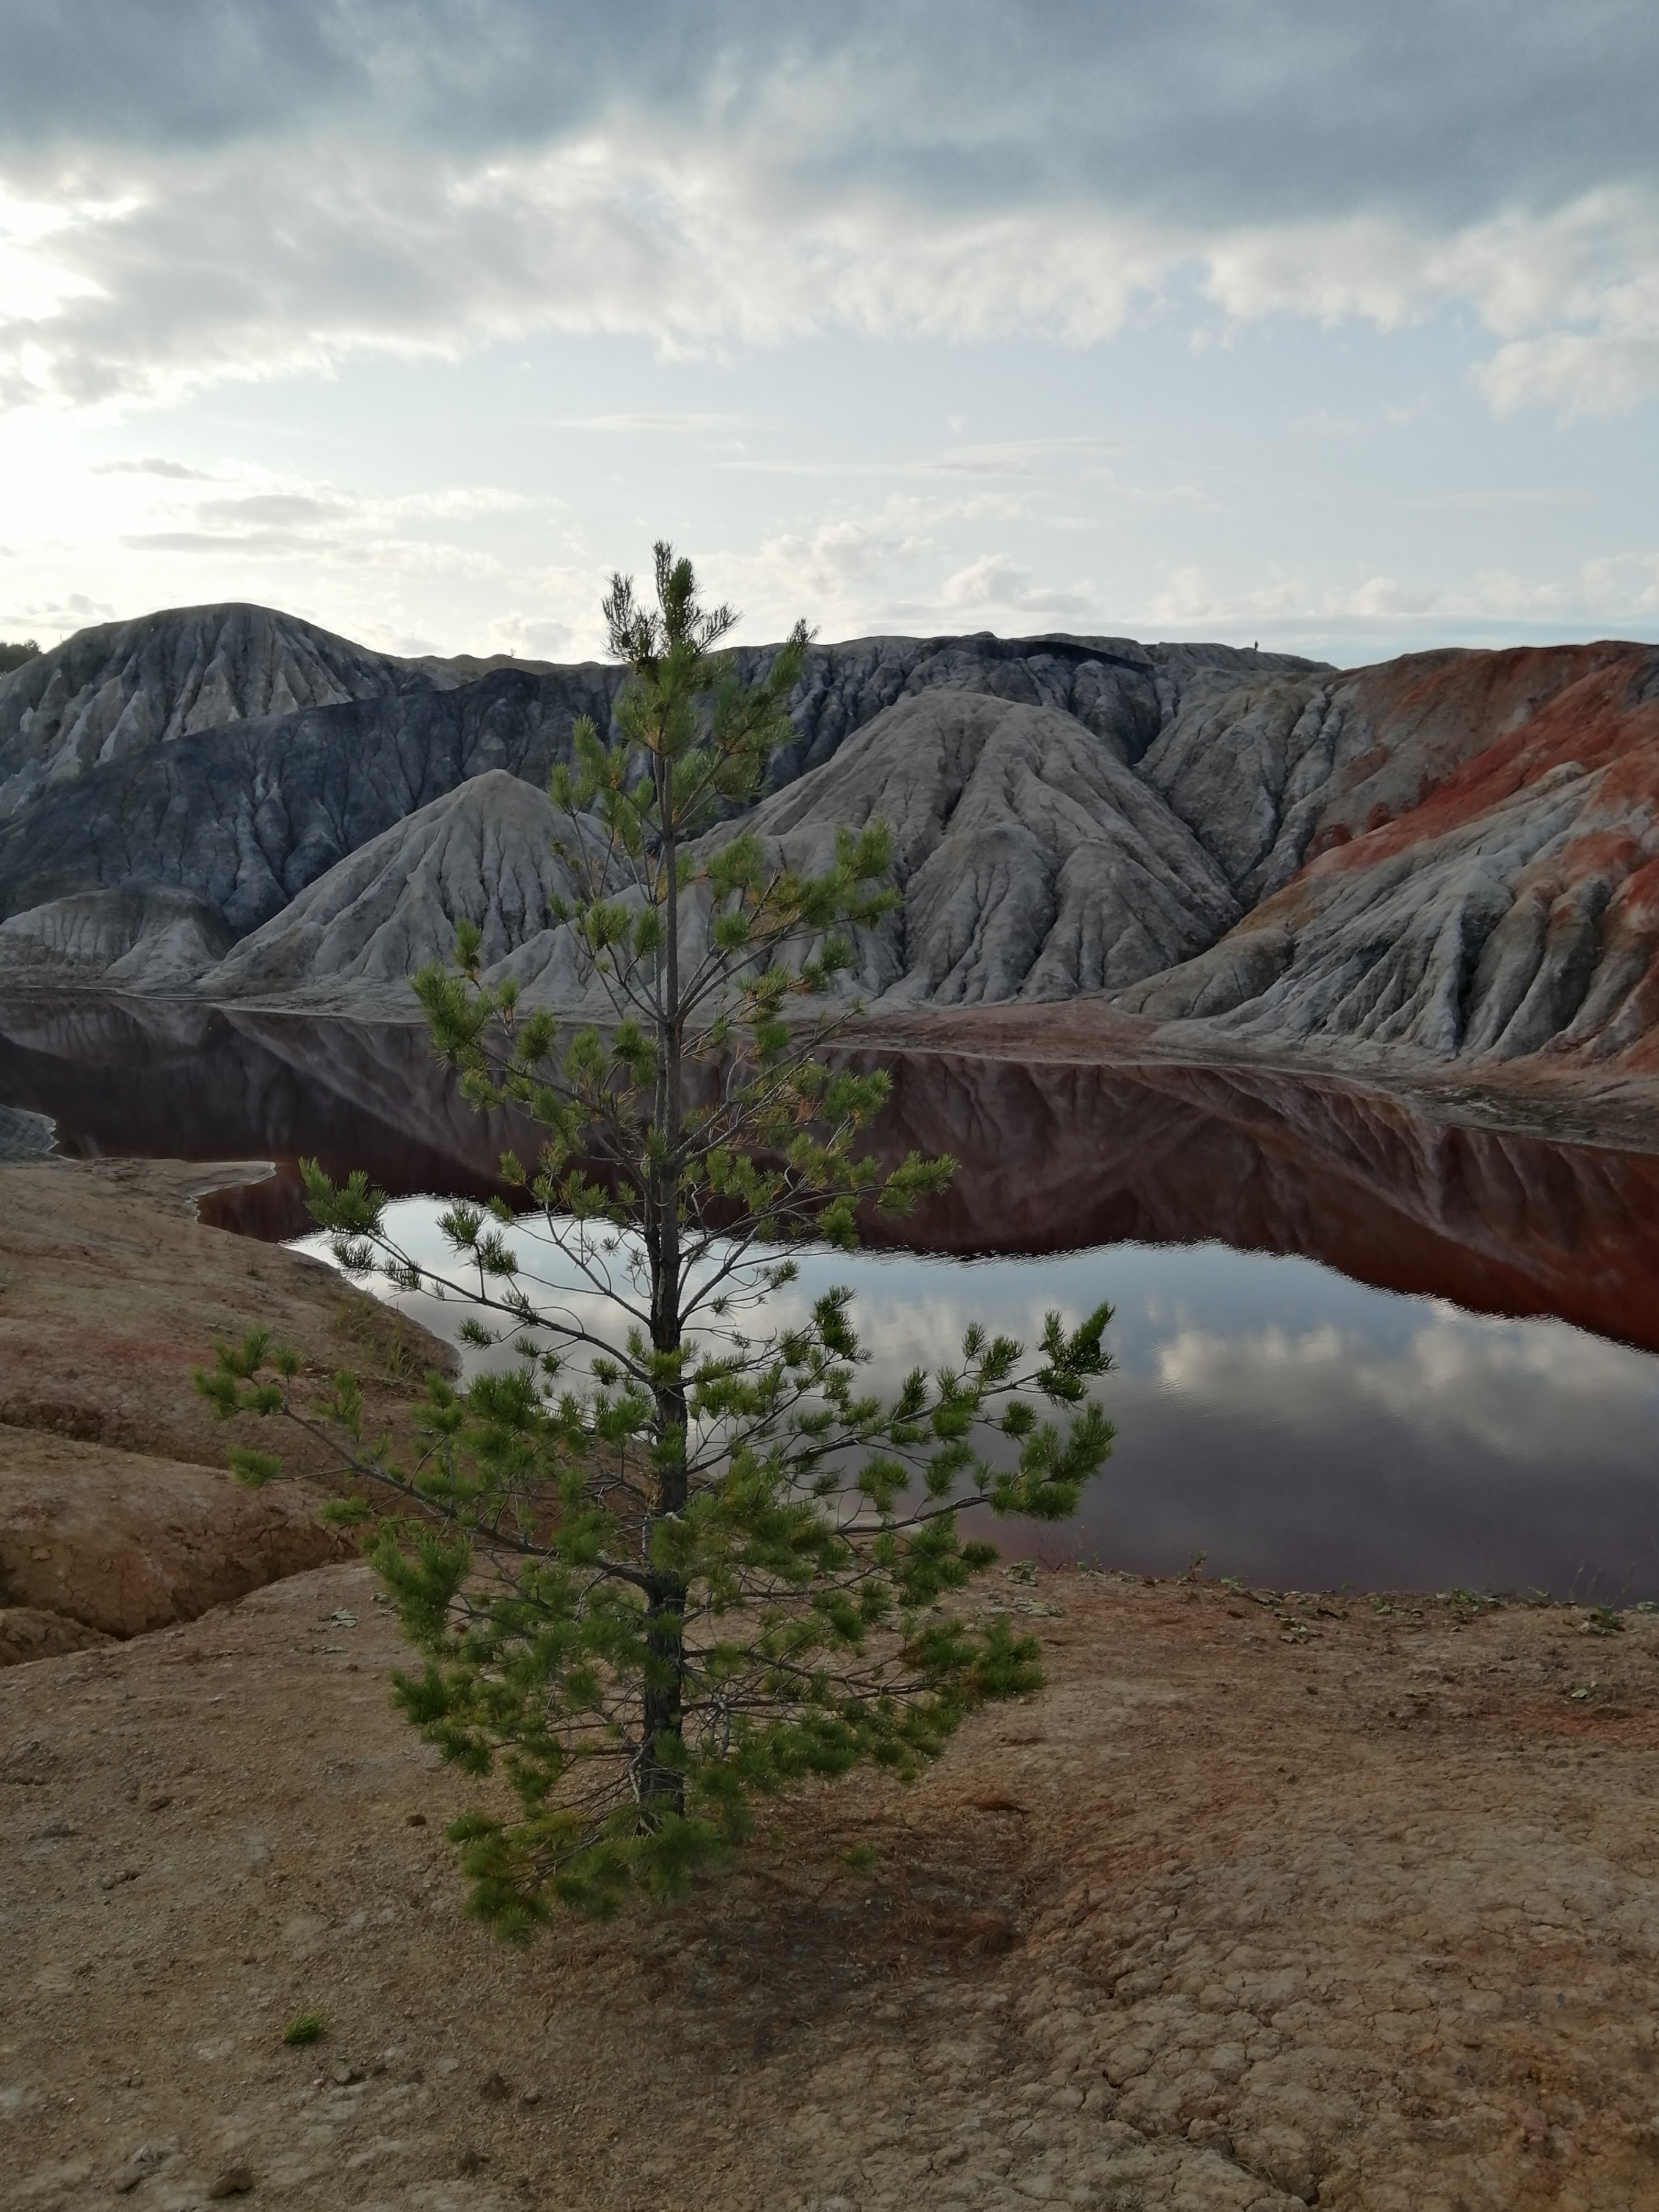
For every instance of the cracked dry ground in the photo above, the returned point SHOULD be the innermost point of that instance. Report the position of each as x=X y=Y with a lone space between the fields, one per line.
x=1218 y=1920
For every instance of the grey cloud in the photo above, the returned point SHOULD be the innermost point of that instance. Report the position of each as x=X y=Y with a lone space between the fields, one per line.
x=219 y=542
x=150 y=73
x=301 y=179
x=152 y=467
x=259 y=523
x=270 y=509
x=1191 y=109
x=73 y=611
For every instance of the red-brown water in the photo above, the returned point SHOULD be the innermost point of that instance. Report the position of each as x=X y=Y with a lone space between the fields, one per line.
x=1274 y=1409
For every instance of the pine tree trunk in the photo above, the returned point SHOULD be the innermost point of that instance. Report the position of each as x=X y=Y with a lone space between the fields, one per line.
x=662 y=1790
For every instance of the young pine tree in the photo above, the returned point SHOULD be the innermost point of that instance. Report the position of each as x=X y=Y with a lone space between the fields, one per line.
x=676 y=1556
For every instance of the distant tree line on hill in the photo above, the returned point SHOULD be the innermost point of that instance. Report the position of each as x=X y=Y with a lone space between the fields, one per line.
x=13 y=654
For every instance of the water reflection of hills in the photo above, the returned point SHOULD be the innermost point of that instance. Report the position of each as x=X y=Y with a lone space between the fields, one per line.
x=1056 y=1157
x=195 y=1082
x=1052 y=1157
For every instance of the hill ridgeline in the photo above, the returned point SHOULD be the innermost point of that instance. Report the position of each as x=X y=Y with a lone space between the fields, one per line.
x=1448 y=860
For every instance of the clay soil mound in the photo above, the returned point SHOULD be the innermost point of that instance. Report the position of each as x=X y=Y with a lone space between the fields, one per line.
x=112 y=1291
x=29 y=1631
x=1259 y=1904
x=120 y=1542
x=116 y=1513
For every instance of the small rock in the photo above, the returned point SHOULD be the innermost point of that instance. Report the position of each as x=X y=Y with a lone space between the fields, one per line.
x=160 y=1802
x=342 y=2075
x=472 y=2161
x=530 y=2097
x=415 y=1820
x=234 y=2181
x=28 y=1762
x=57 y=1829
x=142 y=2163
x=1209 y=2137
x=495 y=2088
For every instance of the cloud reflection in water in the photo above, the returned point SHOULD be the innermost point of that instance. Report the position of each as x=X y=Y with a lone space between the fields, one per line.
x=1300 y=1429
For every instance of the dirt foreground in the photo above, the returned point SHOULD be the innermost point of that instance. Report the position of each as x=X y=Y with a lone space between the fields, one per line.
x=1254 y=1903
x=1263 y=1900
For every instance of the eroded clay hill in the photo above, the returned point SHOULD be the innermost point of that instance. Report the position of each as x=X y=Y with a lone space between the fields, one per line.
x=1480 y=879
x=1446 y=858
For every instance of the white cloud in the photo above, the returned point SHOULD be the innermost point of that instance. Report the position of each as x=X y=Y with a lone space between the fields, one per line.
x=891 y=568
x=154 y=466
x=668 y=425
x=1192 y=599
x=1571 y=295
x=1594 y=372
x=775 y=178
x=994 y=582
x=687 y=246
x=841 y=232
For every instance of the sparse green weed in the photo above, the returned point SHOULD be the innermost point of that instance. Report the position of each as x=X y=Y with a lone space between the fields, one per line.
x=1602 y=1620
x=1469 y=1604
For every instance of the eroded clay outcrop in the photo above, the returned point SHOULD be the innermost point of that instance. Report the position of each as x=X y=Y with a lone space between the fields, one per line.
x=1031 y=860
x=122 y=1543
x=295 y=775
x=114 y=1291
x=1452 y=857
x=27 y=1632
x=144 y=938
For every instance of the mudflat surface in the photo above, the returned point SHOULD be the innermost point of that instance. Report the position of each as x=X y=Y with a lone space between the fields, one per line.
x=1255 y=1903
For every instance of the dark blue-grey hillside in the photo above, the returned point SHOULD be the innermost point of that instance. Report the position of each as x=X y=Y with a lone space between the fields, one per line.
x=243 y=817
x=115 y=691
x=113 y=784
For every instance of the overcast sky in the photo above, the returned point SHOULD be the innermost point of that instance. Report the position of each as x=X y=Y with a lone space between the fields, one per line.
x=1324 y=322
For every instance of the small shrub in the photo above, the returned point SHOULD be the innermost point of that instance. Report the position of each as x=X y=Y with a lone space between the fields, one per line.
x=306 y=2028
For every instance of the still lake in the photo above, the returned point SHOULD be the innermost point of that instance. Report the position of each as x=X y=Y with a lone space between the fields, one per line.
x=1352 y=1347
